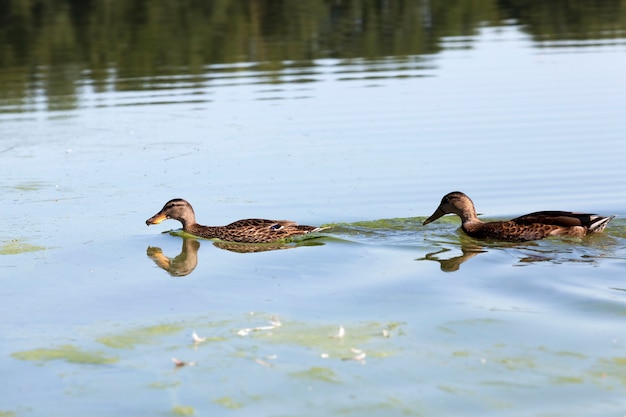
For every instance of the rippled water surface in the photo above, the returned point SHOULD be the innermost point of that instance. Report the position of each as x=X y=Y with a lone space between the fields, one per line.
x=355 y=116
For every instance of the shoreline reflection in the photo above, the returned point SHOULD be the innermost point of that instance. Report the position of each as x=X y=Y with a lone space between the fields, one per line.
x=59 y=56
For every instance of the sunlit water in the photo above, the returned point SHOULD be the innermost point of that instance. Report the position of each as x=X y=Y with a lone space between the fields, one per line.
x=95 y=306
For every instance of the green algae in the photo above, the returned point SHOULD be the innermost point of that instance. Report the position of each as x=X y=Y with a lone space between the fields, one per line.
x=15 y=247
x=611 y=369
x=31 y=186
x=139 y=336
x=566 y=353
x=353 y=341
x=317 y=373
x=331 y=340
x=567 y=380
x=164 y=385
x=228 y=402
x=618 y=361
x=183 y=410
x=400 y=223
x=517 y=363
x=68 y=353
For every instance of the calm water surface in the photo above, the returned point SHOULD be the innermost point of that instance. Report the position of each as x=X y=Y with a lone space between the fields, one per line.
x=356 y=116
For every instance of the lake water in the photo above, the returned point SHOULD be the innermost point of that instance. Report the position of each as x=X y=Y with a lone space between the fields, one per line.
x=359 y=116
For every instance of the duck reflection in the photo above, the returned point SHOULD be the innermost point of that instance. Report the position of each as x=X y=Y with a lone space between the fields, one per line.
x=251 y=247
x=185 y=262
x=181 y=265
x=468 y=251
x=557 y=251
x=265 y=247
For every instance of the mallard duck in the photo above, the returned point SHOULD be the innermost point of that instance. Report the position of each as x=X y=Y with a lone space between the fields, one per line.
x=244 y=231
x=533 y=226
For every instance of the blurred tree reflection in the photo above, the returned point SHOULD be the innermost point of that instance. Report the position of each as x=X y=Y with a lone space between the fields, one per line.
x=65 y=41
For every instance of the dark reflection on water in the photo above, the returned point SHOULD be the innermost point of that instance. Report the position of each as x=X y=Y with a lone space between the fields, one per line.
x=60 y=49
x=453 y=263
x=567 y=20
x=451 y=248
x=187 y=260
x=590 y=250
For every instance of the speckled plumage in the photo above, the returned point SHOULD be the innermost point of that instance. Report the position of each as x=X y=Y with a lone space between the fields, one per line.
x=533 y=226
x=243 y=231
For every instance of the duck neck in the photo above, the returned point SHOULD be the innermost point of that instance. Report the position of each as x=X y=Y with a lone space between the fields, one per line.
x=188 y=221
x=468 y=215
x=470 y=218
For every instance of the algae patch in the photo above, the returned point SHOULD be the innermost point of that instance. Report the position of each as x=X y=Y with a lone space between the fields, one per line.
x=164 y=385
x=183 y=410
x=68 y=353
x=15 y=247
x=567 y=380
x=228 y=402
x=31 y=186
x=325 y=336
x=400 y=223
x=317 y=373
x=146 y=335
x=354 y=341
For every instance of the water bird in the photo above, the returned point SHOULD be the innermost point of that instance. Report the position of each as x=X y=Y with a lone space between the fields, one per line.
x=533 y=226
x=242 y=231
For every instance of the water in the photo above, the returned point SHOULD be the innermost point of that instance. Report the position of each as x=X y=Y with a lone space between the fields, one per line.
x=352 y=130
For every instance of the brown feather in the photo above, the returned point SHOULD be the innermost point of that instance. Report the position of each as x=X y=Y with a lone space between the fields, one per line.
x=244 y=231
x=533 y=226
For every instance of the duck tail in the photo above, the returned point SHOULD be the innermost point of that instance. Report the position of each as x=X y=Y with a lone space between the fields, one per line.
x=599 y=223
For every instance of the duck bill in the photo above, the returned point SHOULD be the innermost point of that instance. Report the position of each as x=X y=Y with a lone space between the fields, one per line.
x=437 y=214
x=156 y=219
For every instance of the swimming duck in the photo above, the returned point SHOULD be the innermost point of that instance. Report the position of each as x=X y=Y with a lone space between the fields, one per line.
x=244 y=231
x=533 y=226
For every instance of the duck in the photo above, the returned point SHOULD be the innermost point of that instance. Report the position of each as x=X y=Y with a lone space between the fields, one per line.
x=532 y=226
x=241 y=231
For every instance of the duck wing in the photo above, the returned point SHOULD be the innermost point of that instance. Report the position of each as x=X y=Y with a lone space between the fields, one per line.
x=566 y=219
x=262 y=230
x=558 y=218
x=261 y=224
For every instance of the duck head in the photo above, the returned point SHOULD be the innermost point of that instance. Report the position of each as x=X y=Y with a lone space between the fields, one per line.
x=454 y=203
x=177 y=209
